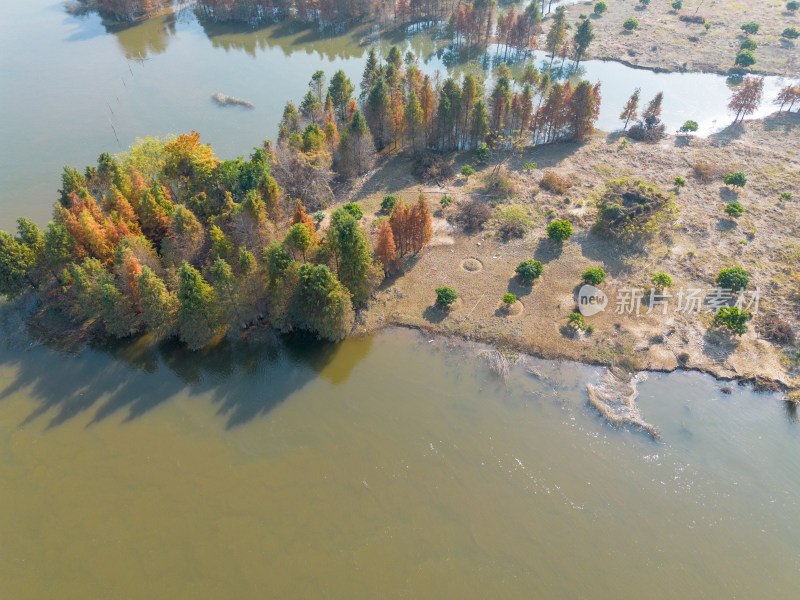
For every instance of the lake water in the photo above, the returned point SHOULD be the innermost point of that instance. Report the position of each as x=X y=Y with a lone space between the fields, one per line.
x=72 y=90
x=384 y=467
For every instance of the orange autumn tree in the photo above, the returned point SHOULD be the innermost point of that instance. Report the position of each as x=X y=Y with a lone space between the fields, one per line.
x=301 y=216
x=385 y=248
x=421 y=224
x=400 y=222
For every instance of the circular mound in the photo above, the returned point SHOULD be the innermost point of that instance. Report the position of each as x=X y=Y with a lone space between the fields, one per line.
x=510 y=311
x=471 y=265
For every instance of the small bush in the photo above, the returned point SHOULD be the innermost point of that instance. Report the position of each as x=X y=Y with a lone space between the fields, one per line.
x=737 y=179
x=750 y=27
x=509 y=299
x=559 y=231
x=748 y=44
x=707 y=26
x=445 y=296
x=600 y=8
x=644 y=2
x=679 y=182
x=529 y=270
x=775 y=329
x=734 y=209
x=706 y=172
x=446 y=201
x=745 y=58
x=689 y=127
x=471 y=215
x=576 y=321
x=661 y=280
x=431 y=167
x=512 y=222
x=732 y=319
x=353 y=209
x=319 y=216
x=733 y=278
x=528 y=167
x=677 y=5
x=791 y=33
x=632 y=210
x=793 y=5
x=593 y=276
x=499 y=185
x=483 y=153
x=387 y=204
x=467 y=171
x=630 y=24
x=553 y=183
x=786 y=196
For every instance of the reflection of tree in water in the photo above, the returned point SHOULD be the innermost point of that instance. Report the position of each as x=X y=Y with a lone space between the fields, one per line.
x=131 y=377
x=291 y=37
x=140 y=40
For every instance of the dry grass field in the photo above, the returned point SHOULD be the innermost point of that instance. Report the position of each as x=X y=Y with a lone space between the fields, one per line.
x=665 y=42
x=692 y=250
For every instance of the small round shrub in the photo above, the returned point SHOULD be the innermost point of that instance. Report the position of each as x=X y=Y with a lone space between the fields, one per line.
x=593 y=276
x=737 y=179
x=353 y=209
x=446 y=201
x=734 y=209
x=748 y=44
x=786 y=196
x=677 y=5
x=688 y=127
x=707 y=26
x=630 y=24
x=559 y=231
x=644 y=2
x=483 y=153
x=445 y=296
x=793 y=5
x=600 y=8
x=733 y=319
x=576 y=321
x=509 y=299
x=680 y=182
x=733 y=278
x=529 y=270
x=745 y=58
x=467 y=170
x=387 y=204
x=319 y=216
x=791 y=33
x=751 y=27
x=661 y=280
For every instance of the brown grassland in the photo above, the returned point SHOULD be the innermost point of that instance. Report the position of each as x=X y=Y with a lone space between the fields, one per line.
x=664 y=42
x=692 y=250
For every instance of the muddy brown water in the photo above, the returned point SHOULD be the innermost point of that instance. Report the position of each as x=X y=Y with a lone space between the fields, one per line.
x=389 y=466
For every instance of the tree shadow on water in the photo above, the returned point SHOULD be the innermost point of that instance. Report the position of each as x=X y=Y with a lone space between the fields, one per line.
x=244 y=380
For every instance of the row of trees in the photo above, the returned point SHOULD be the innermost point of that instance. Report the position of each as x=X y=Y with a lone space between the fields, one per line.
x=123 y=10
x=167 y=239
x=399 y=107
